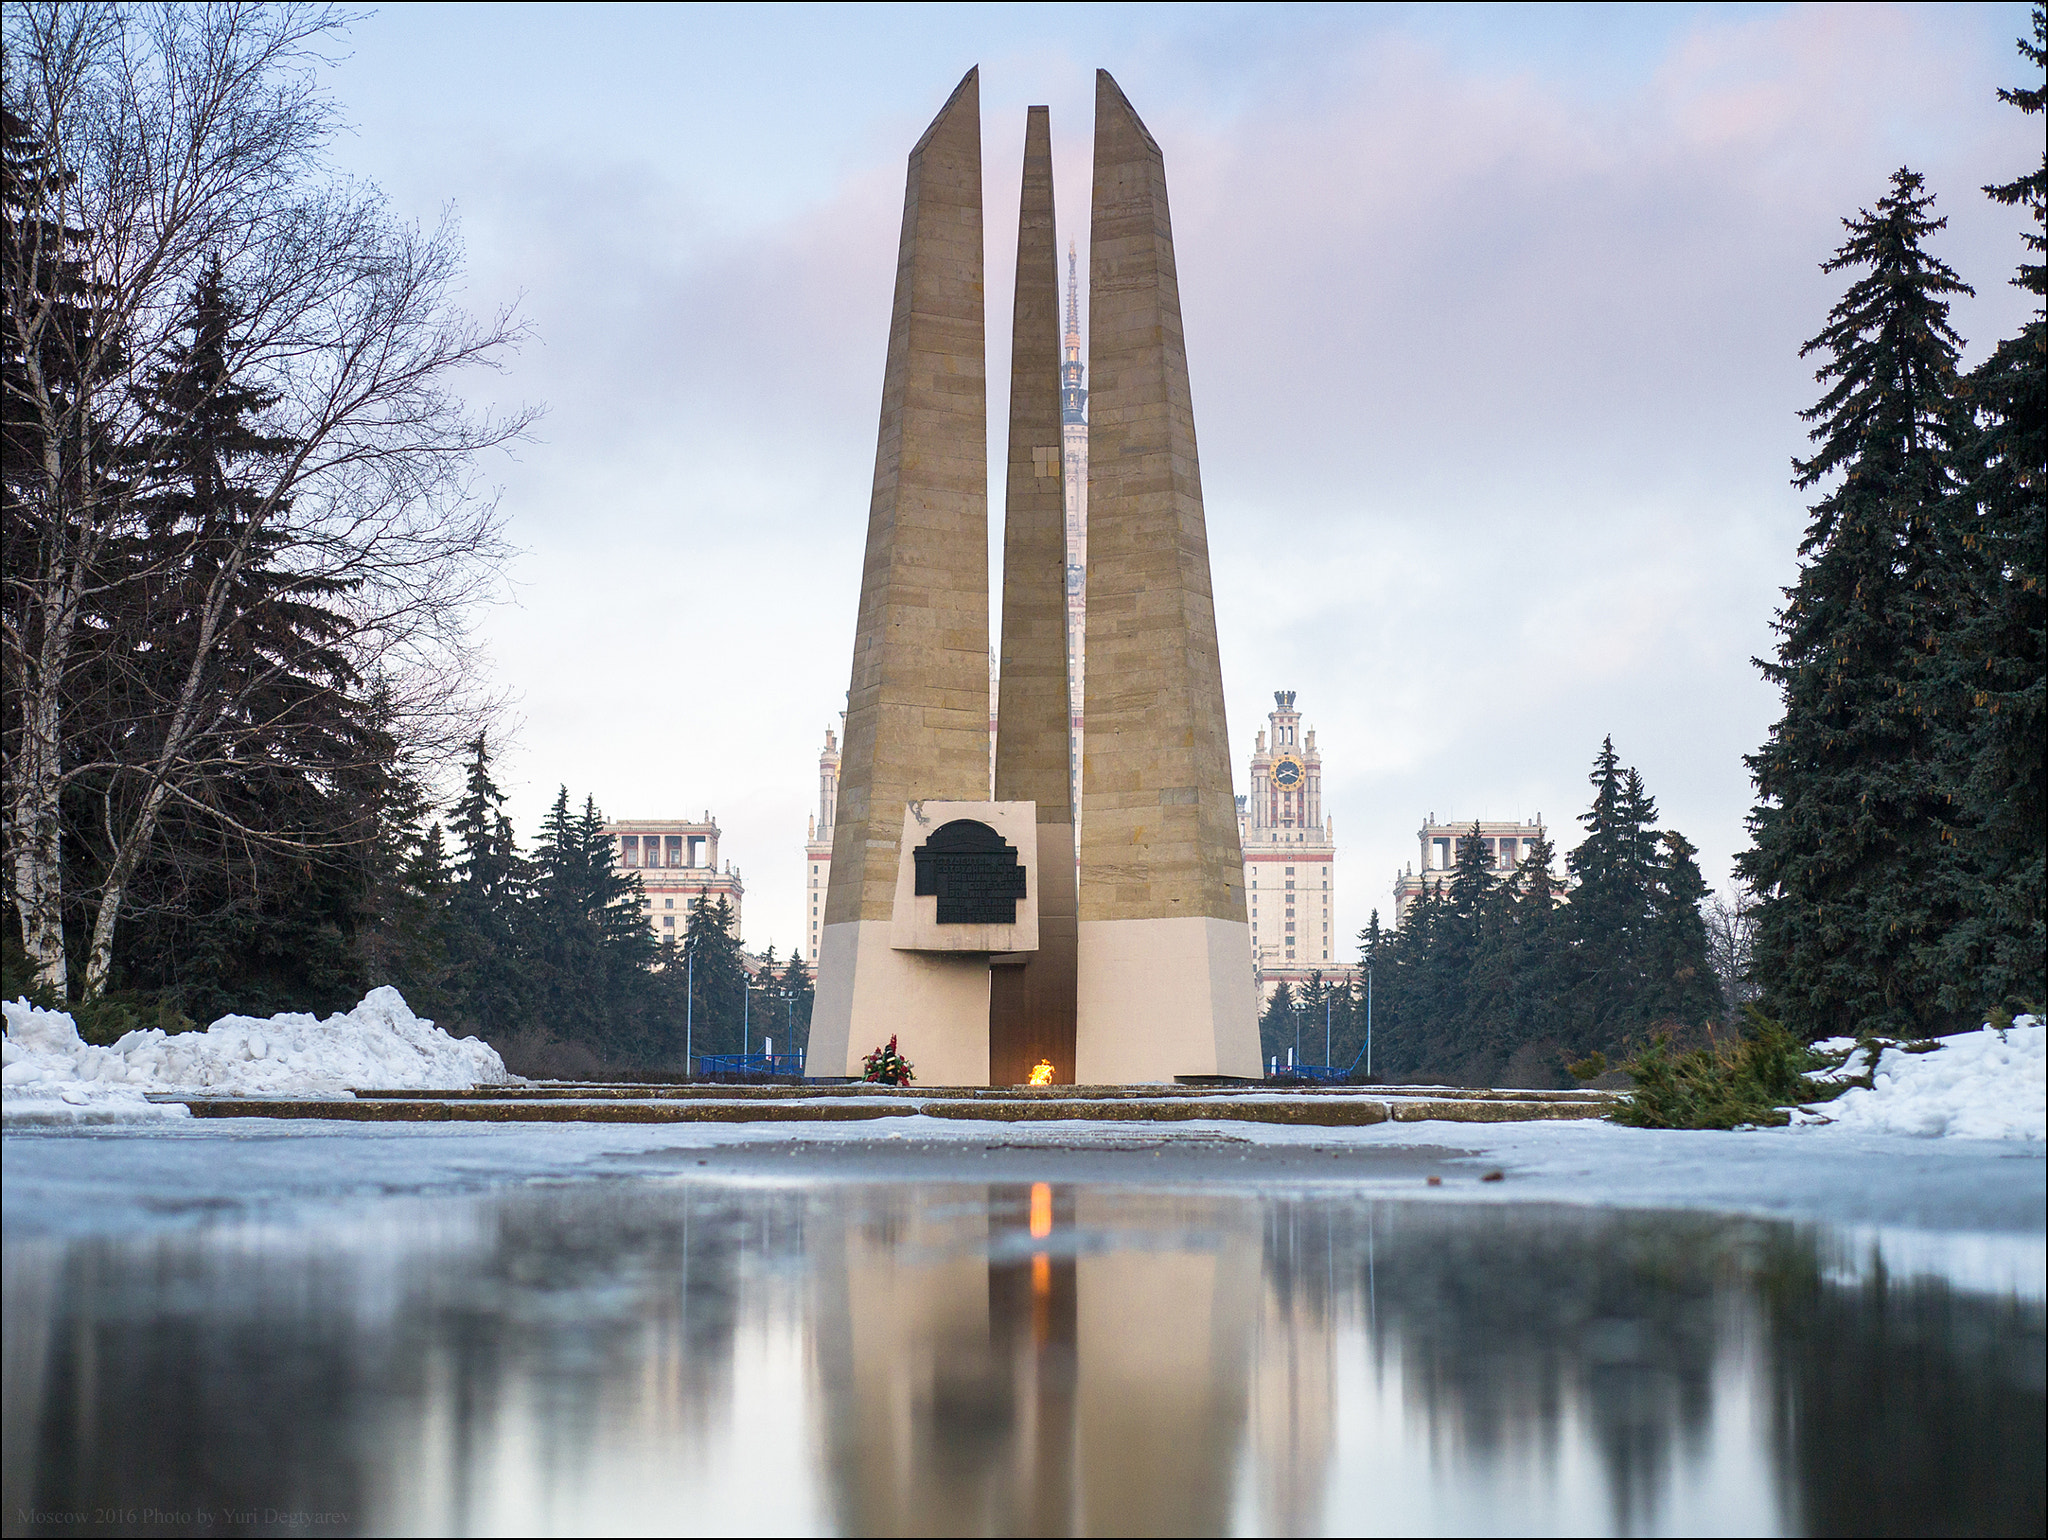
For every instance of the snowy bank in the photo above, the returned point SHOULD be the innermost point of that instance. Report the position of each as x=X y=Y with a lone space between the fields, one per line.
x=52 y=1075
x=1989 y=1084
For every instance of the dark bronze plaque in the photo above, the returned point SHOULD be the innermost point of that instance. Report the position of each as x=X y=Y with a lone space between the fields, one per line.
x=972 y=872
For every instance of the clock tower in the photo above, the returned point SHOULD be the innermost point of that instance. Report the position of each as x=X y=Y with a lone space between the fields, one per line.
x=1290 y=855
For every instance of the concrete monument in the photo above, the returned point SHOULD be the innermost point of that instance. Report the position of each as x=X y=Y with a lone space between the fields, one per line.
x=1031 y=1003
x=917 y=705
x=1164 y=978
x=952 y=922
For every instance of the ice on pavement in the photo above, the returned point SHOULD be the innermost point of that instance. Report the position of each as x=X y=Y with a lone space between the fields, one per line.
x=1989 y=1084
x=52 y=1075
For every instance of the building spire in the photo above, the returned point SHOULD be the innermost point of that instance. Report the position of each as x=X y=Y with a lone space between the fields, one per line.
x=1073 y=304
x=1073 y=399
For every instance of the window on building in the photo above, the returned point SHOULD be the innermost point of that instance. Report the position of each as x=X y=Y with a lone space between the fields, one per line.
x=1290 y=872
x=668 y=903
x=629 y=849
x=668 y=922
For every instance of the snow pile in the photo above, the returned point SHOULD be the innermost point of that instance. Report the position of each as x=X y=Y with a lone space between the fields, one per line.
x=52 y=1075
x=1989 y=1084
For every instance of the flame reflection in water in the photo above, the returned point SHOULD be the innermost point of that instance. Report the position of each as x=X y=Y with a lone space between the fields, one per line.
x=1045 y=1358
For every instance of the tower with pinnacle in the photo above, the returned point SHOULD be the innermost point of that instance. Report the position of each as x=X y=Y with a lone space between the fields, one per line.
x=1074 y=455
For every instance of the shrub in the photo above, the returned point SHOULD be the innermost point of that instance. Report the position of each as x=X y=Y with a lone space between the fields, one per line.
x=1747 y=1082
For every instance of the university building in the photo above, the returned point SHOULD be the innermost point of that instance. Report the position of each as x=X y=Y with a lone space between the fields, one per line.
x=1074 y=462
x=818 y=847
x=676 y=861
x=1290 y=856
x=1507 y=842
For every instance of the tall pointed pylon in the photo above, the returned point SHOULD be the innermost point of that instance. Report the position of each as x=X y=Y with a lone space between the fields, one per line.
x=918 y=703
x=1031 y=1001
x=1164 y=947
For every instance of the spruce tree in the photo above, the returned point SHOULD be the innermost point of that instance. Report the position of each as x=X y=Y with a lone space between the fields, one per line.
x=1680 y=985
x=1407 y=1036
x=589 y=945
x=488 y=981
x=417 y=927
x=1542 y=974
x=201 y=615
x=1478 y=963
x=719 y=977
x=1609 y=904
x=1276 y=1025
x=1852 y=860
x=614 y=897
x=1993 y=676
x=798 y=994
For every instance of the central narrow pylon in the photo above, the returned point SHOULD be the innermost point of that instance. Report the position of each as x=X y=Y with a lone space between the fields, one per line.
x=1031 y=996
x=917 y=705
x=1165 y=958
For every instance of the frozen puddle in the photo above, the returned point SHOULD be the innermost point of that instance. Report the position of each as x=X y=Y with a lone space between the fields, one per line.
x=503 y=1331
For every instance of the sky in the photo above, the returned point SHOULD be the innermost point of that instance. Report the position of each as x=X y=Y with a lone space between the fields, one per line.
x=1493 y=319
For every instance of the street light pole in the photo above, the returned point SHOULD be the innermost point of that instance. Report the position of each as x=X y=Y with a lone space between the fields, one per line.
x=1368 y=1021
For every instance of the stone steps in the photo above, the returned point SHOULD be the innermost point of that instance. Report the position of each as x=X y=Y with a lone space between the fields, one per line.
x=579 y=1090
x=1122 y=1105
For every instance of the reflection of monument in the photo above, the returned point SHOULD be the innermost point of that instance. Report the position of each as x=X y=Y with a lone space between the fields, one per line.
x=979 y=1376
x=1142 y=976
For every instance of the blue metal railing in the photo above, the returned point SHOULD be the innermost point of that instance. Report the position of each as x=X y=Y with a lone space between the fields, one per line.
x=1320 y=1074
x=750 y=1064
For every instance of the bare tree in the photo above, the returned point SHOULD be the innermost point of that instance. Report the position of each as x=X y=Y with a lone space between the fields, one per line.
x=1731 y=934
x=172 y=137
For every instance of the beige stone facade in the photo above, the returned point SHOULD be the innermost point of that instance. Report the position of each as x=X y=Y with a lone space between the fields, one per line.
x=818 y=848
x=1162 y=877
x=918 y=702
x=1290 y=856
x=1507 y=842
x=676 y=861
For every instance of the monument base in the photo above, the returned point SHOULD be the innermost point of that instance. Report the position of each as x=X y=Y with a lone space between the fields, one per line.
x=1031 y=996
x=935 y=1004
x=1159 y=998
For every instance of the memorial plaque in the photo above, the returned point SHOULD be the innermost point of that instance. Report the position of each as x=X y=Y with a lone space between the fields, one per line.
x=972 y=872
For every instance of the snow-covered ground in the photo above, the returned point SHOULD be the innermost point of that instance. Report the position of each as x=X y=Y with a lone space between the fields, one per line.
x=1990 y=1084
x=52 y=1075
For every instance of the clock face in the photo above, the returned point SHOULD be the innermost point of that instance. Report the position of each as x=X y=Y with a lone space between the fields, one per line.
x=1287 y=773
